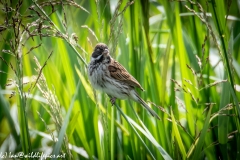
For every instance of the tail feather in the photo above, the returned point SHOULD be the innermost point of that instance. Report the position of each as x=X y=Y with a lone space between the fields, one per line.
x=144 y=104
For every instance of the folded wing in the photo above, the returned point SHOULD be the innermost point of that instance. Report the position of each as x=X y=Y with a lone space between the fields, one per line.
x=118 y=72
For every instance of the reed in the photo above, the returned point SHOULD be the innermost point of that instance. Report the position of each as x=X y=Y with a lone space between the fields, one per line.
x=183 y=53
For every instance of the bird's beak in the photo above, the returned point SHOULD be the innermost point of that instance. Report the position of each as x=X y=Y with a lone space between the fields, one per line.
x=106 y=52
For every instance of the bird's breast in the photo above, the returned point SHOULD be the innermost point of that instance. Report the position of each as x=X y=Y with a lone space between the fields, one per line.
x=97 y=75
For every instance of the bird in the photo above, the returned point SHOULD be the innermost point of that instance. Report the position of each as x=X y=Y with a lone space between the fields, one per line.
x=109 y=76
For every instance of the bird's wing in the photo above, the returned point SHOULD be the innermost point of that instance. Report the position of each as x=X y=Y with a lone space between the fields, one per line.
x=118 y=72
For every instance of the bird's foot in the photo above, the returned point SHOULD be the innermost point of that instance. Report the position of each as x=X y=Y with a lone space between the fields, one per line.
x=112 y=100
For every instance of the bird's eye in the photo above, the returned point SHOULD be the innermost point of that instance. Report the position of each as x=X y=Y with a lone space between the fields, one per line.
x=97 y=53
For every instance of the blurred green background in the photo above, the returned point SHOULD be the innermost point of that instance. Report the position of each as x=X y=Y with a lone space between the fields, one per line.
x=185 y=54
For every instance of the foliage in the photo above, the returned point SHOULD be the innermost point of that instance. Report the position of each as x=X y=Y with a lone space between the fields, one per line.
x=184 y=53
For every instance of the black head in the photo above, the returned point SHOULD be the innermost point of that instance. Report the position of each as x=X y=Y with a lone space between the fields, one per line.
x=99 y=50
x=100 y=53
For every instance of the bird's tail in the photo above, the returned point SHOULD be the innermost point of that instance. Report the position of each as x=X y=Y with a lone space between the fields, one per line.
x=152 y=112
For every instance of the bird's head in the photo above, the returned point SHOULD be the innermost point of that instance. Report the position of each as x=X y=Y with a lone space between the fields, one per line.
x=100 y=52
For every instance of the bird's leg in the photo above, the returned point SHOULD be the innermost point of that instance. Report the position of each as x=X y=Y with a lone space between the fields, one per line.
x=112 y=100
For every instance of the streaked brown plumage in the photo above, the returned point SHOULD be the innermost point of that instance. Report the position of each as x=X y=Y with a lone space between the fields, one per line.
x=118 y=72
x=111 y=77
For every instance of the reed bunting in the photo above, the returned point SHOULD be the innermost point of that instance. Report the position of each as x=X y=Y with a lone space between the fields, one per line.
x=111 y=77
